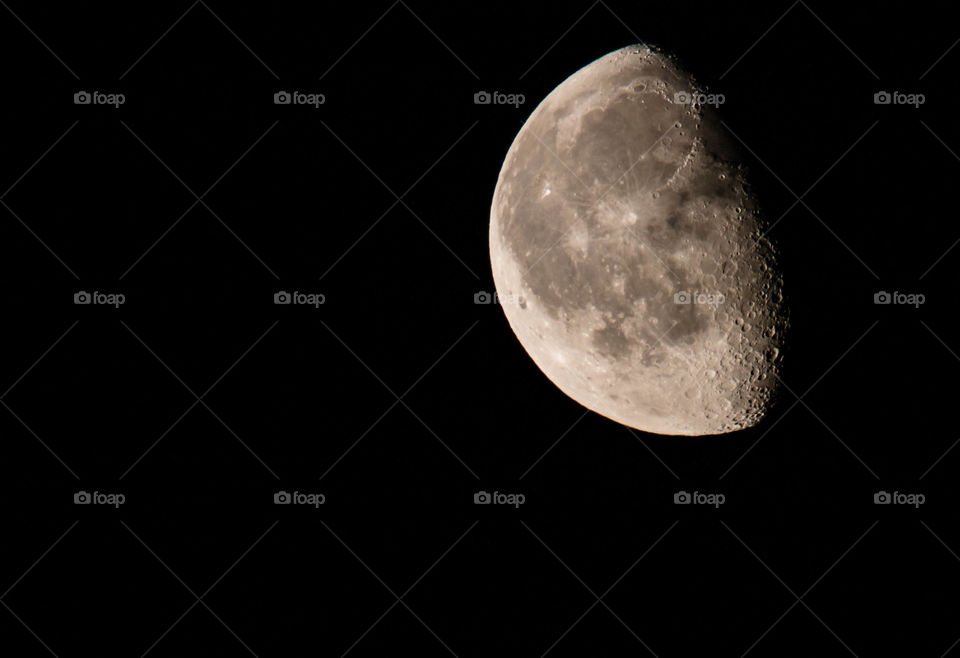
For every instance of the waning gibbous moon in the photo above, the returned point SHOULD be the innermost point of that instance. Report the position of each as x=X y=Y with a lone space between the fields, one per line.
x=628 y=252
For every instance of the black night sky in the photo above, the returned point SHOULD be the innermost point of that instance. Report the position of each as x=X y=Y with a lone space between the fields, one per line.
x=191 y=469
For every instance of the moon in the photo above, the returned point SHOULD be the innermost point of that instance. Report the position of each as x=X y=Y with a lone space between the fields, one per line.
x=629 y=254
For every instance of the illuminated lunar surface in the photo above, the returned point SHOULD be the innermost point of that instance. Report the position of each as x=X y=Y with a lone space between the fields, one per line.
x=628 y=252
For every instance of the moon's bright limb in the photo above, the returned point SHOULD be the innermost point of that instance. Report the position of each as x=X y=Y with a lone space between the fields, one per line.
x=628 y=254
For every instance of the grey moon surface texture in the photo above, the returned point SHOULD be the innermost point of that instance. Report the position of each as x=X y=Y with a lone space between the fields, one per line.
x=628 y=252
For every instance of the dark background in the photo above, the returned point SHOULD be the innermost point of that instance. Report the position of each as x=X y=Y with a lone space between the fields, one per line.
x=305 y=399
